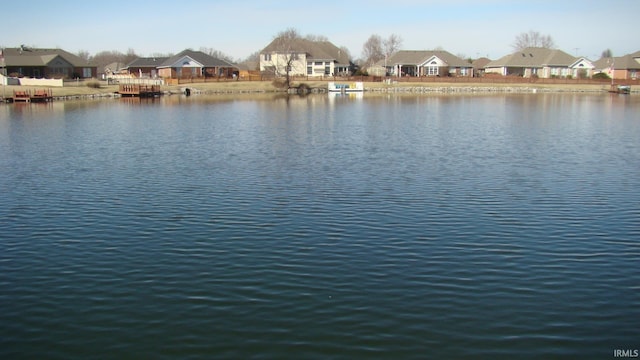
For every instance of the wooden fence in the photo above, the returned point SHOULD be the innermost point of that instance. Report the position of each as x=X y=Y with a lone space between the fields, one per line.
x=413 y=79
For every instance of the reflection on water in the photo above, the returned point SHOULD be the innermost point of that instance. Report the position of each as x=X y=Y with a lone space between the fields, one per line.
x=375 y=225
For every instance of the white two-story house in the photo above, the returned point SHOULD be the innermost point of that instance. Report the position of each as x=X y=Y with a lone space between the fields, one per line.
x=304 y=58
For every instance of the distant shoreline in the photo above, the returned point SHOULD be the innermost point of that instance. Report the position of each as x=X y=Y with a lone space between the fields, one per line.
x=82 y=91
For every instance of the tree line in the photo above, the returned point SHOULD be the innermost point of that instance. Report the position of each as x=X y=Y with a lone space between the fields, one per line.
x=374 y=49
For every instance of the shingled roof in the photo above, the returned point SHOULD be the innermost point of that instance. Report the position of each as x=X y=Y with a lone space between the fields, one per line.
x=315 y=50
x=417 y=57
x=27 y=56
x=627 y=62
x=146 y=62
x=534 y=57
x=199 y=56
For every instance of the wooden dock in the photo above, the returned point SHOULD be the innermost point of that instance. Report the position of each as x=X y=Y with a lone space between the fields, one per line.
x=139 y=90
x=38 y=95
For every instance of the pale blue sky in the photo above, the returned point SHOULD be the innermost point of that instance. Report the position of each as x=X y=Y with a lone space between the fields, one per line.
x=240 y=27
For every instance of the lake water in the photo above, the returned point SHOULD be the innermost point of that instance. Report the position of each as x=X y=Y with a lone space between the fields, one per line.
x=389 y=226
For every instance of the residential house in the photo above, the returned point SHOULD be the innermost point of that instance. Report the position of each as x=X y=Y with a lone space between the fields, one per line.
x=541 y=62
x=25 y=61
x=195 y=64
x=112 y=69
x=426 y=63
x=621 y=68
x=304 y=57
x=479 y=65
x=145 y=67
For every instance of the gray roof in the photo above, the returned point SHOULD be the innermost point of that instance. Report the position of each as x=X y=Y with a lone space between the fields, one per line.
x=199 y=56
x=315 y=50
x=146 y=62
x=480 y=63
x=27 y=56
x=627 y=62
x=534 y=57
x=417 y=57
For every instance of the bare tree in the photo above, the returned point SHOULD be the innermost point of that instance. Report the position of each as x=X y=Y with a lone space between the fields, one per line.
x=130 y=56
x=373 y=50
x=285 y=47
x=253 y=57
x=533 y=39
x=312 y=37
x=216 y=54
x=376 y=49
x=392 y=44
x=161 y=55
x=84 y=54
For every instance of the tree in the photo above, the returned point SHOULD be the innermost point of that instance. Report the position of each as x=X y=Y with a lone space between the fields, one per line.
x=285 y=48
x=392 y=44
x=533 y=39
x=253 y=57
x=130 y=56
x=84 y=54
x=376 y=49
x=312 y=37
x=607 y=53
x=372 y=50
x=216 y=54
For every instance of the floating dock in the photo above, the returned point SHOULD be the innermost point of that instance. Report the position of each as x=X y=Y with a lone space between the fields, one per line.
x=138 y=90
x=350 y=87
x=38 y=95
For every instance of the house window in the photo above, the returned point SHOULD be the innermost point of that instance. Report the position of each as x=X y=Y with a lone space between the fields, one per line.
x=267 y=57
x=327 y=69
x=464 y=71
x=432 y=70
x=318 y=63
x=309 y=70
x=86 y=72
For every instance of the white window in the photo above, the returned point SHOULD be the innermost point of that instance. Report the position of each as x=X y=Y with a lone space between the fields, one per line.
x=433 y=70
x=86 y=72
x=267 y=57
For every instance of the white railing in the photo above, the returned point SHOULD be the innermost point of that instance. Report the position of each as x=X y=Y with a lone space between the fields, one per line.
x=129 y=79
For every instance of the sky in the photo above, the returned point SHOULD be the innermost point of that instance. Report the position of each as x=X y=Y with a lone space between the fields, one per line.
x=238 y=28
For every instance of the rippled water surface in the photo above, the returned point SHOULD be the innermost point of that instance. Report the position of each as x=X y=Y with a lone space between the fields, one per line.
x=317 y=227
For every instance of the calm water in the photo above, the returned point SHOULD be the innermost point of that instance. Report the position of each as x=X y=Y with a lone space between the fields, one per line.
x=376 y=227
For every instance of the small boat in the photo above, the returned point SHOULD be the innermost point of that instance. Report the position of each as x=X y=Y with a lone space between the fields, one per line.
x=344 y=88
x=620 y=89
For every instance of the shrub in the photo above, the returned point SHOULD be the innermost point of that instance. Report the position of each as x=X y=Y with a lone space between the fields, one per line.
x=304 y=88
x=94 y=84
x=279 y=83
x=601 y=76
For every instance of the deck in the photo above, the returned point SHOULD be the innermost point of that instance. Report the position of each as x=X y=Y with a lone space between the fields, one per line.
x=139 y=90
x=38 y=95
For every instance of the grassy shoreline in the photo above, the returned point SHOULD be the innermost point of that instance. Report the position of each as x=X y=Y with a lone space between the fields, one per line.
x=81 y=90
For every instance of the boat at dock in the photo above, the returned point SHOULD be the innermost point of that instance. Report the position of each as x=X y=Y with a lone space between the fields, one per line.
x=620 y=89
